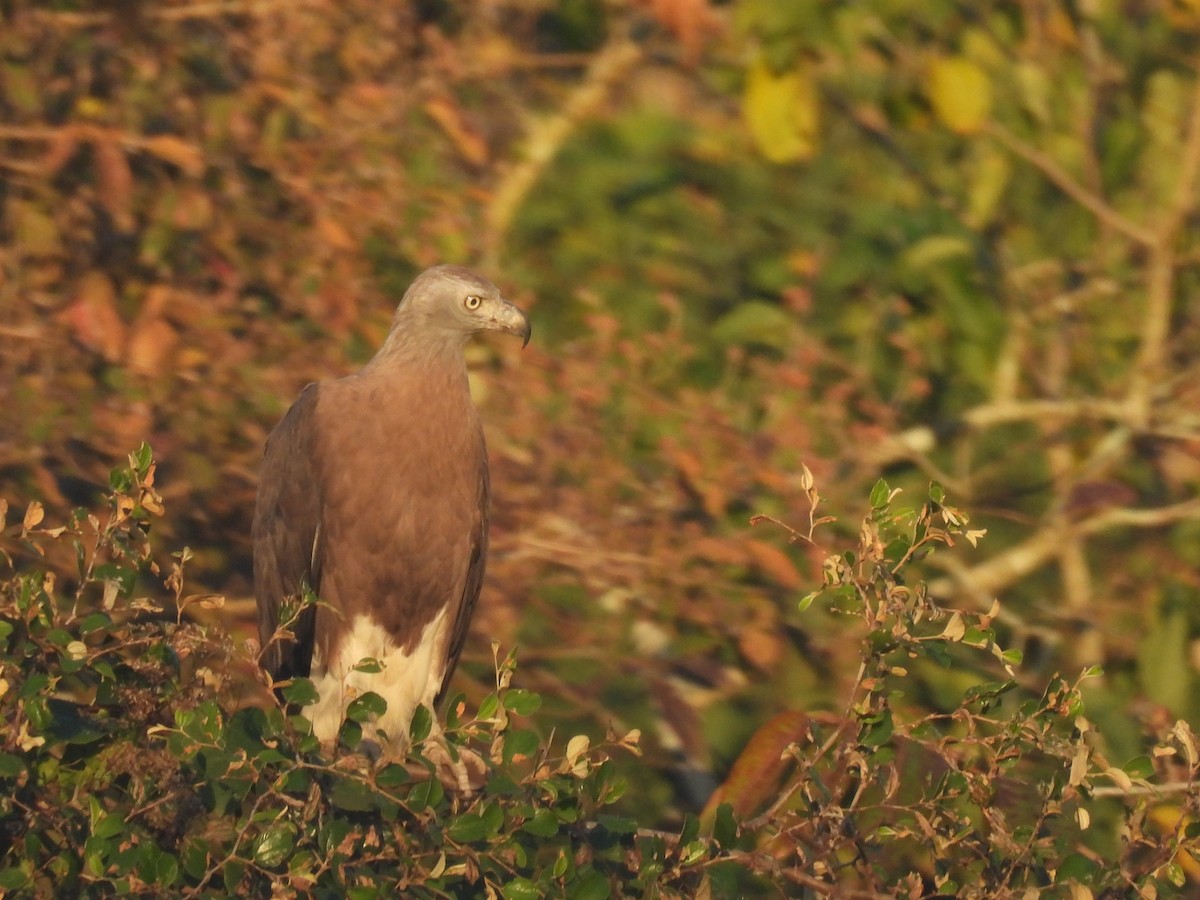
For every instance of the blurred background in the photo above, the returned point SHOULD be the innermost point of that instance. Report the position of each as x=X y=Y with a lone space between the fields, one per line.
x=950 y=241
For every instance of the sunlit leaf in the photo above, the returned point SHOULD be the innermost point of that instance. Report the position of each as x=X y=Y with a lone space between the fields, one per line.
x=960 y=93
x=782 y=111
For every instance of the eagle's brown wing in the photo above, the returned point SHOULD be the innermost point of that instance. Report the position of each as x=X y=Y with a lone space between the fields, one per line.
x=475 y=570
x=285 y=533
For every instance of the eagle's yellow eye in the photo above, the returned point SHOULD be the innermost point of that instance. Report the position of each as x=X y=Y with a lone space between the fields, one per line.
x=472 y=301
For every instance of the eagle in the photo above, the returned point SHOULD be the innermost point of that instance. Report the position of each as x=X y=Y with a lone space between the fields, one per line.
x=373 y=495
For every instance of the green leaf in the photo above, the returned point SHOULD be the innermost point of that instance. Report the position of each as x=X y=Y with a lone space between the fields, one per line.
x=275 y=844
x=426 y=794
x=520 y=743
x=13 y=878
x=421 y=725
x=1175 y=874
x=1075 y=867
x=879 y=729
x=453 y=719
x=936 y=492
x=350 y=734
x=366 y=706
x=617 y=824
x=107 y=826
x=1139 y=767
x=142 y=457
x=11 y=765
x=754 y=322
x=975 y=636
x=95 y=622
x=879 y=494
x=588 y=884
x=725 y=827
x=392 y=775
x=522 y=702
x=353 y=795
x=807 y=600
x=301 y=692
x=488 y=706
x=520 y=889
x=692 y=853
x=472 y=827
x=543 y=824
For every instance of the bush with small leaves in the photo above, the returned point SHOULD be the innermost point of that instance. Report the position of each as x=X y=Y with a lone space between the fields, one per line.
x=131 y=762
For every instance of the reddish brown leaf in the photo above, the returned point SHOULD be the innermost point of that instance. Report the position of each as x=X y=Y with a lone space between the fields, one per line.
x=755 y=776
x=59 y=151
x=449 y=117
x=114 y=182
x=723 y=551
x=761 y=647
x=176 y=151
x=92 y=316
x=774 y=563
x=151 y=344
x=334 y=233
x=691 y=21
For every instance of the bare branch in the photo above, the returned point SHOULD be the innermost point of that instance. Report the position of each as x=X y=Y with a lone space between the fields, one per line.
x=1061 y=179
x=1147 y=790
x=546 y=137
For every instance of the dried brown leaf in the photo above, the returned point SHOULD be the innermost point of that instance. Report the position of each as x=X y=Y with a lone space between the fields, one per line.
x=34 y=514
x=760 y=646
x=774 y=563
x=151 y=345
x=176 y=151
x=93 y=319
x=755 y=775
x=445 y=111
x=114 y=182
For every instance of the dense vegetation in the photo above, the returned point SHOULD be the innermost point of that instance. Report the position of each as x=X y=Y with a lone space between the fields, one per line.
x=937 y=242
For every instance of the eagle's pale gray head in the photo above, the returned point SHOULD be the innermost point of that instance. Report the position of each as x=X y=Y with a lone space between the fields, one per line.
x=451 y=303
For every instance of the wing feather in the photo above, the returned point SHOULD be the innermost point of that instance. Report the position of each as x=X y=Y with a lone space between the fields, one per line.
x=286 y=536
x=474 y=582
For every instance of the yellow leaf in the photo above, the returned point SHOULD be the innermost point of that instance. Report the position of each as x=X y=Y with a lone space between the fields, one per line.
x=782 y=113
x=1120 y=778
x=34 y=514
x=960 y=93
x=576 y=747
x=955 y=628
x=1079 y=766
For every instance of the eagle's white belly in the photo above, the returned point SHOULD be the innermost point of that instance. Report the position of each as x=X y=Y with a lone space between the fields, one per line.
x=406 y=678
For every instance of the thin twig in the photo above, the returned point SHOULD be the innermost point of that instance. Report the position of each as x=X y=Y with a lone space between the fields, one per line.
x=1147 y=790
x=1061 y=179
x=1161 y=268
x=985 y=581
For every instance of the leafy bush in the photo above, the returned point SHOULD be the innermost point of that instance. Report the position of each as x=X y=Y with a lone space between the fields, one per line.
x=135 y=760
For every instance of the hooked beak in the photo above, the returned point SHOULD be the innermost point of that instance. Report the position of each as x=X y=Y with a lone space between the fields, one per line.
x=509 y=319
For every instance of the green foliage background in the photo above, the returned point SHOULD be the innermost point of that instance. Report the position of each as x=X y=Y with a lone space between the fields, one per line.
x=939 y=241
